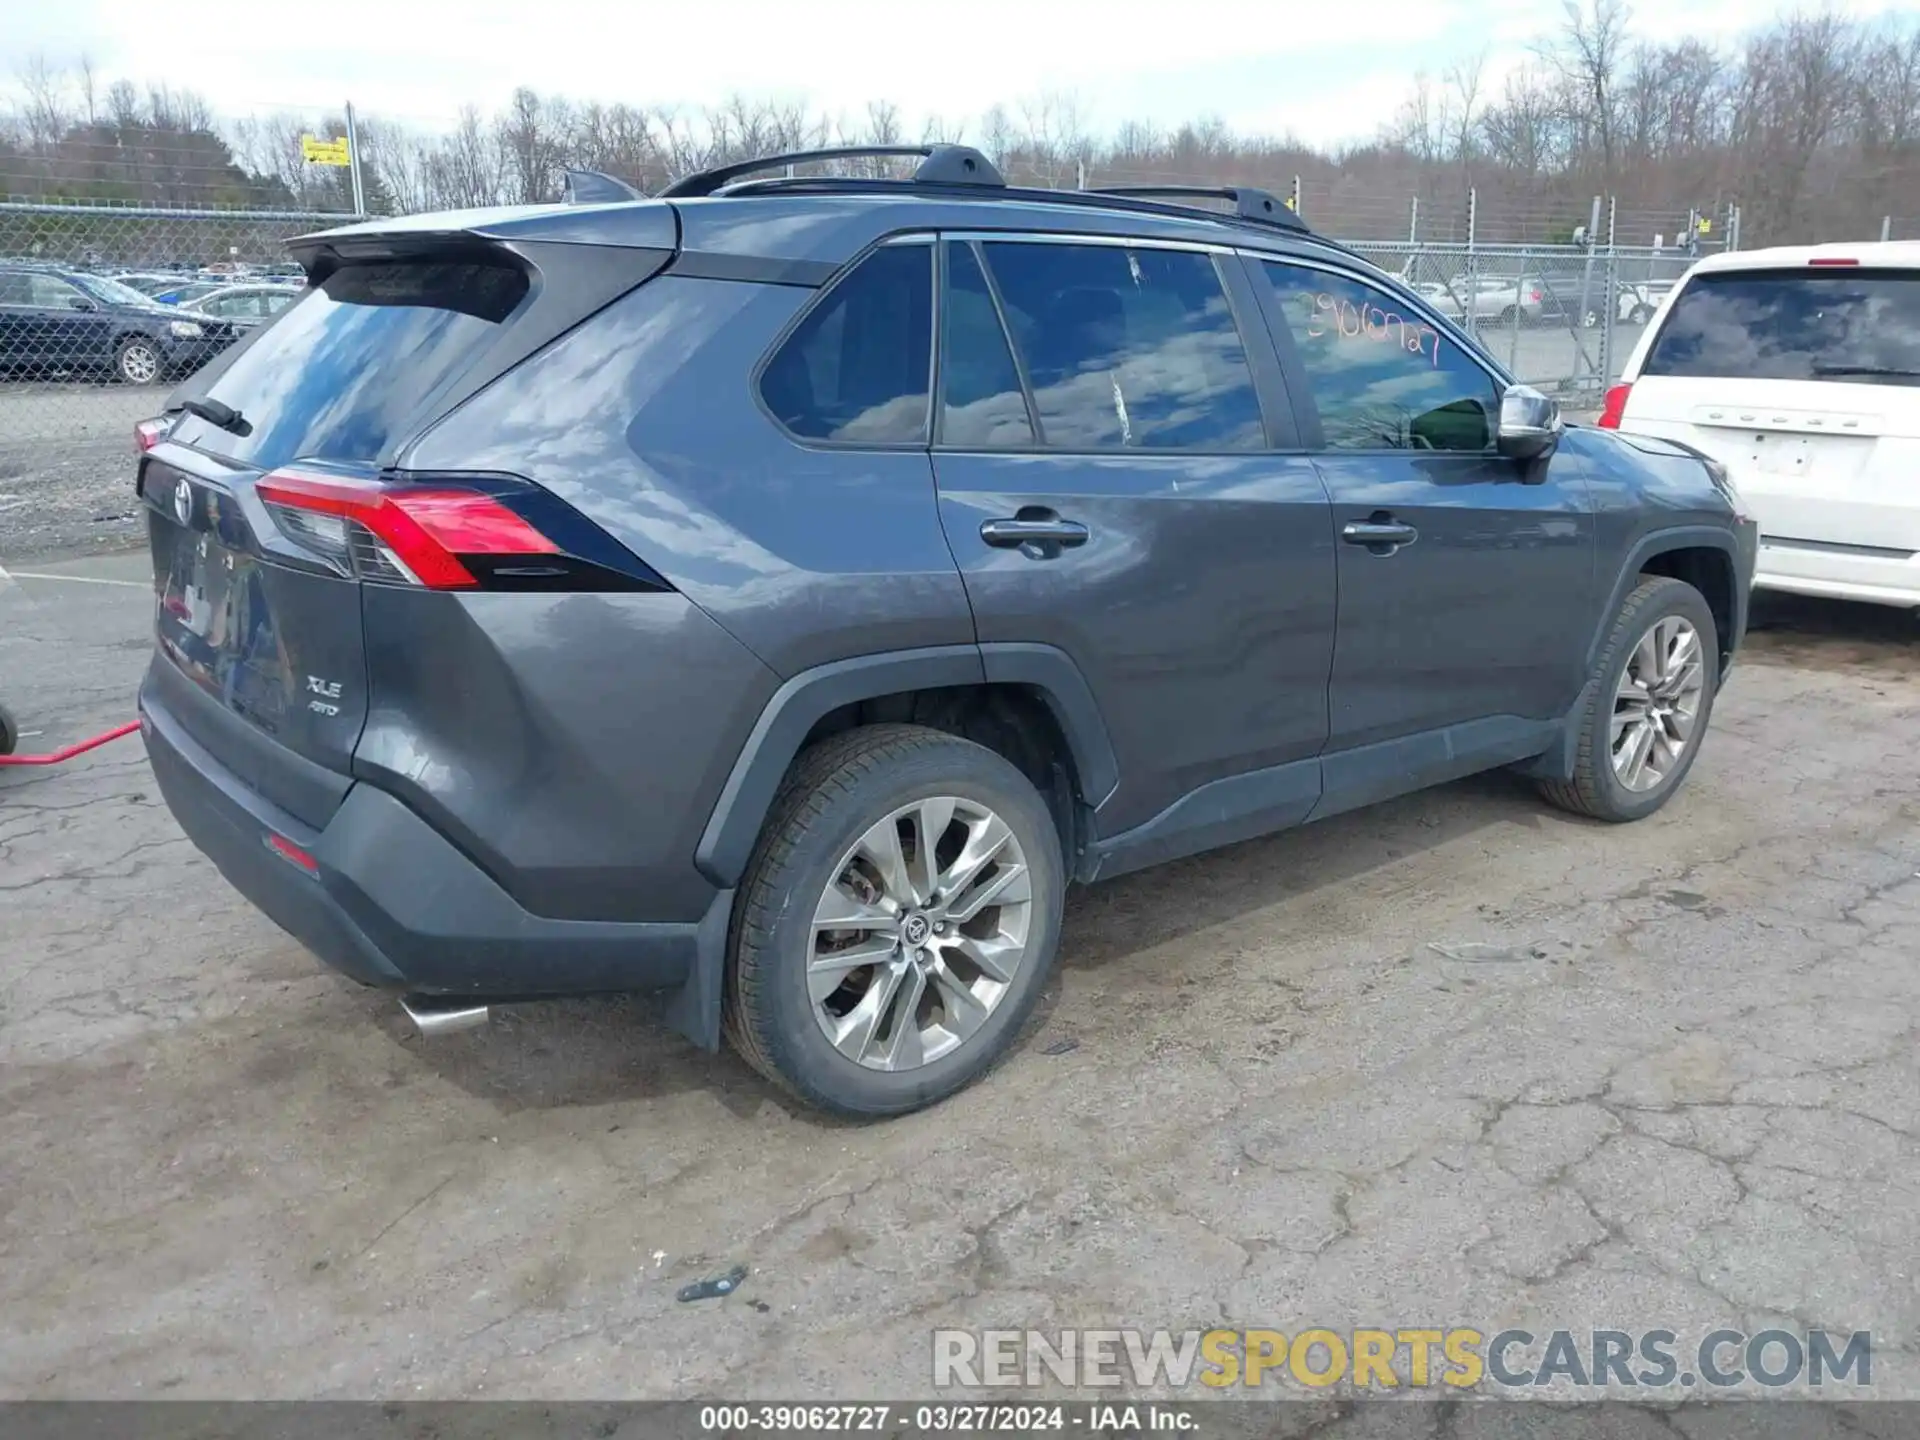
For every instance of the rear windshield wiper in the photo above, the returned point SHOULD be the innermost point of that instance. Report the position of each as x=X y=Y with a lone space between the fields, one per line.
x=1890 y=371
x=216 y=412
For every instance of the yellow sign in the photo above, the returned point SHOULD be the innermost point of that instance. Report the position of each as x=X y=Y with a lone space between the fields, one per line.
x=1706 y=226
x=316 y=151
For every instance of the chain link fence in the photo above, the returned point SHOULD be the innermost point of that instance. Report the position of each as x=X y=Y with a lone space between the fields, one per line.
x=85 y=351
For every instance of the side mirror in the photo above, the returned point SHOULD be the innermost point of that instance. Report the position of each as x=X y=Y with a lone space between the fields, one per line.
x=80 y=302
x=1530 y=423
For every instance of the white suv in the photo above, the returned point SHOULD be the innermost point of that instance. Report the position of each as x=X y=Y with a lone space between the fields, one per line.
x=1799 y=370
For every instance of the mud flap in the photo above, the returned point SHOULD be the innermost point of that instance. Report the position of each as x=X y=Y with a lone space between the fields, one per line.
x=694 y=1009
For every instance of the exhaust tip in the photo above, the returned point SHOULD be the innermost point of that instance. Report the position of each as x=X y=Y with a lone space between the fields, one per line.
x=435 y=1015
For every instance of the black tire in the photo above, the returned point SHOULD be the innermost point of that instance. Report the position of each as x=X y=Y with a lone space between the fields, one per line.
x=1506 y=315
x=1595 y=790
x=9 y=732
x=1640 y=315
x=138 y=361
x=834 y=793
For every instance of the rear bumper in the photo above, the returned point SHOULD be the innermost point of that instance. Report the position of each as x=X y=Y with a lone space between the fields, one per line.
x=1839 y=573
x=393 y=904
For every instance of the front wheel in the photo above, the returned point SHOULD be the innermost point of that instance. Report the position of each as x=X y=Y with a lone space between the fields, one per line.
x=897 y=922
x=1646 y=707
x=1640 y=315
x=137 y=361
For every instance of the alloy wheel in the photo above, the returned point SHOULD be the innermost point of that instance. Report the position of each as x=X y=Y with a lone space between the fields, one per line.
x=1656 y=709
x=920 y=933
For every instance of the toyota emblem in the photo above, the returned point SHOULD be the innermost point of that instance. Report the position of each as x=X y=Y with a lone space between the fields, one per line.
x=183 y=502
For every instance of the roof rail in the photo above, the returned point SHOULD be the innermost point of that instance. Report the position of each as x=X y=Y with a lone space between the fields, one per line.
x=942 y=165
x=1248 y=203
x=590 y=187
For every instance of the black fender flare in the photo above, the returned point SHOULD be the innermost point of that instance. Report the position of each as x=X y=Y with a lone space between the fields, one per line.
x=1659 y=542
x=798 y=705
x=1557 y=762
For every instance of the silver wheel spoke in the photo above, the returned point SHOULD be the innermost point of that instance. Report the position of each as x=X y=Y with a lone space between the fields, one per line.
x=1007 y=885
x=881 y=845
x=930 y=822
x=985 y=841
x=1646 y=661
x=1637 y=748
x=854 y=1034
x=829 y=970
x=966 y=1012
x=904 y=1047
x=996 y=959
x=841 y=910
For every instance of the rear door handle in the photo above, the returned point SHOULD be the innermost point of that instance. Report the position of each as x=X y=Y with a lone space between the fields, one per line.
x=1381 y=536
x=1022 y=531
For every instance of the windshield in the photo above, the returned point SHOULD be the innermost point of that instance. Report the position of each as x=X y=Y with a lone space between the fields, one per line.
x=1854 y=326
x=112 y=292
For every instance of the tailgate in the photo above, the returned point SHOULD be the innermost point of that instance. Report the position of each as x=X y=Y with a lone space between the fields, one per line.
x=249 y=640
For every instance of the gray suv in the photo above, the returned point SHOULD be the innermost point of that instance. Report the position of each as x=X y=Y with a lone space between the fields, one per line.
x=775 y=593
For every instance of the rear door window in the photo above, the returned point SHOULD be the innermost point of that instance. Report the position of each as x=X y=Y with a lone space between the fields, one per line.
x=1845 y=325
x=1127 y=348
x=350 y=363
x=858 y=367
x=982 y=405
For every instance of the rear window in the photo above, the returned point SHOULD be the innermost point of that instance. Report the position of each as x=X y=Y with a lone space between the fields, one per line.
x=1854 y=326
x=345 y=366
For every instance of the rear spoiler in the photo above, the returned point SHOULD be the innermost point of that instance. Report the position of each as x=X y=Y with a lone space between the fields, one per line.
x=590 y=187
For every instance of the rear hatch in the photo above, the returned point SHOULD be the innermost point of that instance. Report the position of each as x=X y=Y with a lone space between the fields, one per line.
x=271 y=501
x=1805 y=383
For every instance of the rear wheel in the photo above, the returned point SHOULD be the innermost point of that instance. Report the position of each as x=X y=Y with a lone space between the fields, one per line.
x=9 y=732
x=897 y=922
x=1648 y=705
x=137 y=361
x=1640 y=314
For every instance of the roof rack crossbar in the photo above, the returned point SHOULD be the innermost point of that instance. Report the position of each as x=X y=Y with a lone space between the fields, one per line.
x=1248 y=203
x=941 y=165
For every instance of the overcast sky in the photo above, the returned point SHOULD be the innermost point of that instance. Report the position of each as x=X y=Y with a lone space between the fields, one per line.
x=1327 y=72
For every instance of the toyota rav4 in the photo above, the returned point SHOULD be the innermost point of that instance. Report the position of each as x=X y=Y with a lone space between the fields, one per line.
x=776 y=592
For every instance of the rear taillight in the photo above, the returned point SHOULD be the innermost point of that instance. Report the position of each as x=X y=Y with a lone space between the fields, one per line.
x=149 y=433
x=1831 y=260
x=292 y=853
x=410 y=534
x=447 y=532
x=1535 y=297
x=1613 y=409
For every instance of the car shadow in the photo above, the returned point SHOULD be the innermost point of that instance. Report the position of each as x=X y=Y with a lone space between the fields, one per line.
x=1829 y=635
x=561 y=1054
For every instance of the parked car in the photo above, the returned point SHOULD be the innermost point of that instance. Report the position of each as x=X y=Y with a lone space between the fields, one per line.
x=185 y=292
x=149 y=284
x=1639 y=299
x=55 y=321
x=246 y=307
x=547 y=609
x=1798 y=369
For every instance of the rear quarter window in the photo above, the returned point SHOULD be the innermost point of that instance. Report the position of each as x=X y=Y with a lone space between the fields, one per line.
x=353 y=358
x=1844 y=325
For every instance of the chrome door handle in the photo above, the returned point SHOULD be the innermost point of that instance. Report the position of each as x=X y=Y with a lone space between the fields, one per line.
x=1382 y=537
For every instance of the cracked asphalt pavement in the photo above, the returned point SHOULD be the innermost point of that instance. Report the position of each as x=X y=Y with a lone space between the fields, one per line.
x=1455 y=1060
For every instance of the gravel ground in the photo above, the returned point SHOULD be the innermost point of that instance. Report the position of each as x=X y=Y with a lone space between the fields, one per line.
x=66 y=468
x=1457 y=1059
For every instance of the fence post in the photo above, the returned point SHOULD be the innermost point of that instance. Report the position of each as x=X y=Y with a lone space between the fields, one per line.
x=1733 y=238
x=1471 y=305
x=1296 y=198
x=1413 y=222
x=1886 y=227
x=353 y=165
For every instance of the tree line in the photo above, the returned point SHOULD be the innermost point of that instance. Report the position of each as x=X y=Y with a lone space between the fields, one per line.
x=1809 y=123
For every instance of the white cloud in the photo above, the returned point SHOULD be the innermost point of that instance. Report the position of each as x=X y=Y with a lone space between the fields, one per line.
x=1325 y=72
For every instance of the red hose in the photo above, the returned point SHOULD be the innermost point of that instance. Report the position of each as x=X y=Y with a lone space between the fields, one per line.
x=54 y=757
